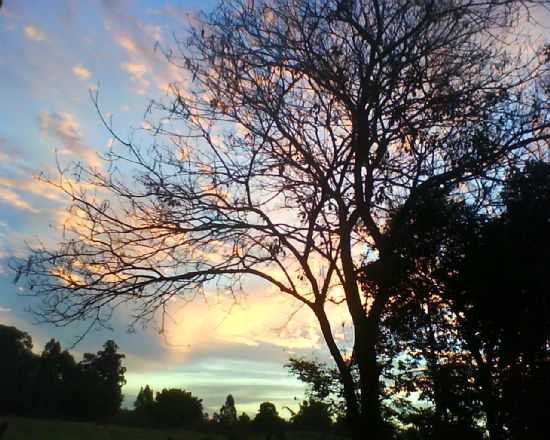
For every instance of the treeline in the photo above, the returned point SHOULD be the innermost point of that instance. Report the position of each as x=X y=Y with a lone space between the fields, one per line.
x=53 y=384
x=179 y=408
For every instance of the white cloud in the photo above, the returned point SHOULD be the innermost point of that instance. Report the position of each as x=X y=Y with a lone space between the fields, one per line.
x=137 y=73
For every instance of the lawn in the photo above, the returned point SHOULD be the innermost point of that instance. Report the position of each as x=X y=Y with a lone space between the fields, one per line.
x=33 y=429
x=36 y=429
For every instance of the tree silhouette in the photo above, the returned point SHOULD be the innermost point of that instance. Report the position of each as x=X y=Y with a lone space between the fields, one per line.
x=52 y=386
x=144 y=405
x=108 y=367
x=501 y=289
x=177 y=408
x=475 y=320
x=228 y=418
x=16 y=370
x=306 y=125
x=267 y=420
x=314 y=416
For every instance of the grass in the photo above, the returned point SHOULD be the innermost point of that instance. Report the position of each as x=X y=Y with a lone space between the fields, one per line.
x=31 y=429
x=36 y=429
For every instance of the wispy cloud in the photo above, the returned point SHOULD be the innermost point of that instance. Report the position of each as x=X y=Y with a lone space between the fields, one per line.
x=126 y=43
x=34 y=33
x=81 y=72
x=12 y=198
x=65 y=128
x=139 y=40
x=137 y=73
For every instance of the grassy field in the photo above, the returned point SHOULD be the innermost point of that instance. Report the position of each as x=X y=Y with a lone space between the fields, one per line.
x=34 y=429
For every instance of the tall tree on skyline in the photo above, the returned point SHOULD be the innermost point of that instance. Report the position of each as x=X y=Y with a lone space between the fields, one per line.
x=304 y=125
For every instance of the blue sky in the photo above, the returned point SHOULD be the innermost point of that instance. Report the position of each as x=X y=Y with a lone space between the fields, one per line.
x=52 y=53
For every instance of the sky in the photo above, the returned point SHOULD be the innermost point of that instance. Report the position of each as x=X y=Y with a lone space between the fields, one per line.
x=52 y=54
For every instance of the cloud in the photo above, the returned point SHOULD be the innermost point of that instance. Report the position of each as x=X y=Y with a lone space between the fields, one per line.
x=126 y=43
x=12 y=198
x=81 y=72
x=256 y=320
x=33 y=33
x=137 y=73
x=65 y=128
x=139 y=40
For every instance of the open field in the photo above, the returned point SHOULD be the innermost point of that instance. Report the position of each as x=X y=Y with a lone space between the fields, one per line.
x=35 y=429
x=31 y=429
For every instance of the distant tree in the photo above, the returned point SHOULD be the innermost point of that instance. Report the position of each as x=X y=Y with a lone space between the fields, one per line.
x=100 y=379
x=17 y=368
x=177 y=408
x=244 y=419
x=228 y=418
x=268 y=422
x=228 y=412
x=144 y=405
x=314 y=416
x=244 y=425
x=53 y=386
x=108 y=368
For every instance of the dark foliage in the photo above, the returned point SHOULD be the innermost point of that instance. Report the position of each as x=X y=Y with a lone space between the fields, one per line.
x=314 y=416
x=268 y=422
x=177 y=408
x=53 y=385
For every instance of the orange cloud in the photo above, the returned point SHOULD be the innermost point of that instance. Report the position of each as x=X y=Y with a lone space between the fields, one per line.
x=12 y=198
x=81 y=72
x=126 y=43
x=33 y=33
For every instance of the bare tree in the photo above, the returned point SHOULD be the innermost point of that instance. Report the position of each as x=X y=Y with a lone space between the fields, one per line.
x=306 y=123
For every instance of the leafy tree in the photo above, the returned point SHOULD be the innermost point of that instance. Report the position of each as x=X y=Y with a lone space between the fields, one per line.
x=17 y=368
x=244 y=424
x=228 y=412
x=53 y=387
x=228 y=417
x=308 y=123
x=267 y=421
x=502 y=291
x=107 y=365
x=177 y=408
x=474 y=320
x=100 y=379
x=313 y=416
x=144 y=404
x=324 y=383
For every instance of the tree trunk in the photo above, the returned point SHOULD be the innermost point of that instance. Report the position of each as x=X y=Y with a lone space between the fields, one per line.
x=365 y=347
x=353 y=414
x=489 y=404
x=485 y=382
